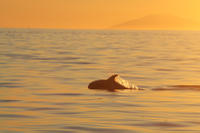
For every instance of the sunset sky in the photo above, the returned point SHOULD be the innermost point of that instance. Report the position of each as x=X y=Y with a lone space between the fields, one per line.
x=88 y=14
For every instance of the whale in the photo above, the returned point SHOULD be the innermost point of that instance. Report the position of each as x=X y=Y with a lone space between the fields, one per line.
x=113 y=83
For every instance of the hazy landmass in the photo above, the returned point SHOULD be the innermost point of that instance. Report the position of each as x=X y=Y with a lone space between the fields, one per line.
x=159 y=22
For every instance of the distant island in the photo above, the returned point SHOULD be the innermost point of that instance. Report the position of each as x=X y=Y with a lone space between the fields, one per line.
x=159 y=22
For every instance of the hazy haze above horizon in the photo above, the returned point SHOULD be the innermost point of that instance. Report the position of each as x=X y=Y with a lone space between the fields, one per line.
x=87 y=14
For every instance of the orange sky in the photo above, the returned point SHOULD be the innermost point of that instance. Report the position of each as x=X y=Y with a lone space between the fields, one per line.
x=88 y=14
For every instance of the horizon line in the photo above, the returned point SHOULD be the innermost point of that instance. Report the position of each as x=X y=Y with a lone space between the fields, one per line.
x=108 y=29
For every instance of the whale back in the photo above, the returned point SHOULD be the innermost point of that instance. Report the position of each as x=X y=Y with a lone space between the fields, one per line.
x=114 y=82
x=97 y=84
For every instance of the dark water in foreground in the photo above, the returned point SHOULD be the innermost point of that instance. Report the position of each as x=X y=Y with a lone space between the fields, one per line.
x=44 y=76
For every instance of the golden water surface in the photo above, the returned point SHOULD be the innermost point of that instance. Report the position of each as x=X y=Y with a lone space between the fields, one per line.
x=44 y=76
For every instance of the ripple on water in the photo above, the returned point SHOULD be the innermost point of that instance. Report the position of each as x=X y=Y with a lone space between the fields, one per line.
x=179 y=88
x=54 y=58
x=9 y=85
x=68 y=113
x=8 y=101
x=97 y=129
x=61 y=94
x=55 y=131
x=15 y=116
x=165 y=69
x=43 y=109
x=34 y=57
x=19 y=56
x=161 y=124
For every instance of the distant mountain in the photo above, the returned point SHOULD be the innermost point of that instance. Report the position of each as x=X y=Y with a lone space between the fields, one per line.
x=159 y=22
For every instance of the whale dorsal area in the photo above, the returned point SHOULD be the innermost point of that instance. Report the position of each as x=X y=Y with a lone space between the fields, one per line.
x=114 y=82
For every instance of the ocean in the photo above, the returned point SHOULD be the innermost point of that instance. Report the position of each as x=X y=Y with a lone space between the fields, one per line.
x=44 y=77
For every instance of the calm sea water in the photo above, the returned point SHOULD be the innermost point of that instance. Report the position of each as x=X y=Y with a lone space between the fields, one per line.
x=44 y=76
